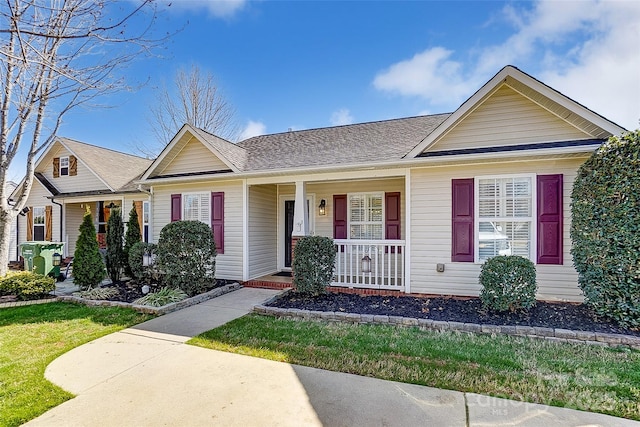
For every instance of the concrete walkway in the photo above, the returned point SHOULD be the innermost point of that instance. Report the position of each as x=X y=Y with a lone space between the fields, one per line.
x=147 y=376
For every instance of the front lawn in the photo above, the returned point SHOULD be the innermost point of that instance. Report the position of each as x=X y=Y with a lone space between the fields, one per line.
x=578 y=376
x=33 y=336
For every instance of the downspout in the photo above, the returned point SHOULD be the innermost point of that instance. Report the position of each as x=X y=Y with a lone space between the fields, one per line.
x=61 y=222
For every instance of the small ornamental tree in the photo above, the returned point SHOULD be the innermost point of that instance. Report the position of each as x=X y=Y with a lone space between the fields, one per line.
x=88 y=268
x=115 y=252
x=605 y=229
x=187 y=256
x=313 y=264
x=131 y=237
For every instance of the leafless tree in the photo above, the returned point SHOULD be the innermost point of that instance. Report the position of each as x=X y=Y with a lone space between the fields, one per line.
x=195 y=98
x=56 y=55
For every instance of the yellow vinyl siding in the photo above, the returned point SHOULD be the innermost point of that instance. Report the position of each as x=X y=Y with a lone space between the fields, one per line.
x=85 y=180
x=194 y=157
x=507 y=118
x=263 y=234
x=326 y=190
x=38 y=198
x=228 y=265
x=431 y=231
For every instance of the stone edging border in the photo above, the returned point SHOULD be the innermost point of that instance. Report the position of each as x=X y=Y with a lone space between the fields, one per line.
x=158 y=311
x=23 y=303
x=550 y=334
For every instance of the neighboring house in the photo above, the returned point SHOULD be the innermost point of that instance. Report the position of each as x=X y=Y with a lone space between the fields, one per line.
x=72 y=177
x=414 y=205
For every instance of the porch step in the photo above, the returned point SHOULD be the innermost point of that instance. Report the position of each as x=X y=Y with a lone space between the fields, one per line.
x=267 y=284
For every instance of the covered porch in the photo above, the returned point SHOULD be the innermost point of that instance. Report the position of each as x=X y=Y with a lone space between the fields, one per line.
x=365 y=216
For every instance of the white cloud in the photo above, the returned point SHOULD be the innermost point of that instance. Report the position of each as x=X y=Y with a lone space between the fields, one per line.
x=217 y=8
x=429 y=74
x=588 y=50
x=253 y=129
x=341 y=117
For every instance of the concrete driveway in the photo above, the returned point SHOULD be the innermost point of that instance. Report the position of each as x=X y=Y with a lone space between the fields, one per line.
x=147 y=376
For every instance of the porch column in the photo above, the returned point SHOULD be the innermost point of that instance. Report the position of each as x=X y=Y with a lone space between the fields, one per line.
x=300 y=225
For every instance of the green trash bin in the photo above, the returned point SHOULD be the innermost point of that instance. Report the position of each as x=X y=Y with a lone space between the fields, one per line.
x=38 y=257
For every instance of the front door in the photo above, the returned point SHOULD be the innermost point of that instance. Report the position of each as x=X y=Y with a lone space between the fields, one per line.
x=289 y=206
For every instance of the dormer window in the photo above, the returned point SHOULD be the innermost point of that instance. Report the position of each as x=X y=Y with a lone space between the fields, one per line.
x=64 y=166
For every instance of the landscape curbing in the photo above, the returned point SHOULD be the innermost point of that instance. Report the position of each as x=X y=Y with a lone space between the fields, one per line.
x=158 y=311
x=549 y=334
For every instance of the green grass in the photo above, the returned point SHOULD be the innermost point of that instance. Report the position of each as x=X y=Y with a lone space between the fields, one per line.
x=577 y=376
x=33 y=336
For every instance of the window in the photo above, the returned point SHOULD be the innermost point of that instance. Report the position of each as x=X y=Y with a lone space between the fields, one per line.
x=64 y=166
x=196 y=207
x=38 y=224
x=366 y=216
x=505 y=215
x=145 y=221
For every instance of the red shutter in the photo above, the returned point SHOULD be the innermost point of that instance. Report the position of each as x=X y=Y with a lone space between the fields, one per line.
x=217 y=220
x=392 y=218
x=176 y=207
x=340 y=216
x=549 y=203
x=462 y=244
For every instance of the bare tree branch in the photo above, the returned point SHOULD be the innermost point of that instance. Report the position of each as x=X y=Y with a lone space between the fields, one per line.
x=196 y=99
x=54 y=56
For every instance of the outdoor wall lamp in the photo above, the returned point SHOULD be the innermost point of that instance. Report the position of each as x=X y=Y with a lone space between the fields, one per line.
x=323 y=207
x=24 y=211
x=148 y=258
x=57 y=259
x=366 y=264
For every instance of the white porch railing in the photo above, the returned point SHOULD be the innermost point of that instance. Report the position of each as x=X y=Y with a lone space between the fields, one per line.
x=385 y=269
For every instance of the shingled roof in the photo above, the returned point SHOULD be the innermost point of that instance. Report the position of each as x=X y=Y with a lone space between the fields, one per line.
x=349 y=144
x=118 y=170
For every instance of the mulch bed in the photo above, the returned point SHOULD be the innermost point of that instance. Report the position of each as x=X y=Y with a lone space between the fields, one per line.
x=576 y=317
x=129 y=291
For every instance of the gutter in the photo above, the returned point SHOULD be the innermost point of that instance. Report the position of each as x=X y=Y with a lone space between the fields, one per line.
x=401 y=163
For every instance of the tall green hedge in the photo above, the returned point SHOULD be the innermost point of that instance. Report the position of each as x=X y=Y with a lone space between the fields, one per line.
x=605 y=229
x=115 y=259
x=88 y=268
x=313 y=264
x=132 y=236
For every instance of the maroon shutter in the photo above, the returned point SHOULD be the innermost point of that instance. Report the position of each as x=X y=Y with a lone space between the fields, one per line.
x=549 y=203
x=176 y=207
x=462 y=220
x=340 y=216
x=217 y=220
x=392 y=217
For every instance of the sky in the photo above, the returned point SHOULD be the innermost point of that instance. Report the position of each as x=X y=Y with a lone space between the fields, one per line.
x=308 y=64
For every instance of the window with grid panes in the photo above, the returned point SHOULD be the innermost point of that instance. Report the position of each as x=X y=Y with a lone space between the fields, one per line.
x=504 y=223
x=196 y=207
x=366 y=216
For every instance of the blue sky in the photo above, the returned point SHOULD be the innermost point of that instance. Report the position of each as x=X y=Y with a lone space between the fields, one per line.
x=310 y=64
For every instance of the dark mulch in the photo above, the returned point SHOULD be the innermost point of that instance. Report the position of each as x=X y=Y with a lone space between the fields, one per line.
x=131 y=290
x=551 y=315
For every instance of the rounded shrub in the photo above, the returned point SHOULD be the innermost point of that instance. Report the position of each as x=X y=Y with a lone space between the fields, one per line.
x=508 y=283
x=136 y=252
x=605 y=229
x=187 y=256
x=313 y=264
x=26 y=285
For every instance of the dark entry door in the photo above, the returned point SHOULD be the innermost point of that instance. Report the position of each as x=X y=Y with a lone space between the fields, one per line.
x=289 y=206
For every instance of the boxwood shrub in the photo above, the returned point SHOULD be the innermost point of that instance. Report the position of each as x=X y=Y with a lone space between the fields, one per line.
x=605 y=229
x=508 y=283
x=313 y=264
x=26 y=285
x=187 y=256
